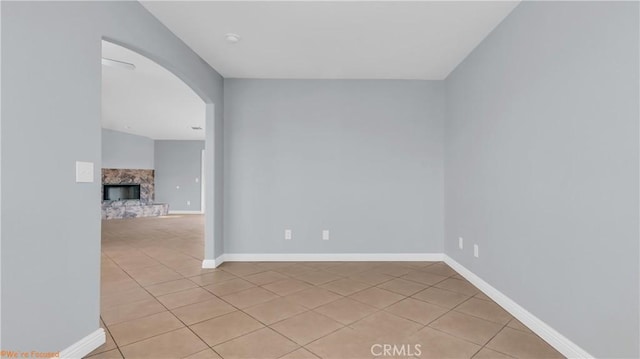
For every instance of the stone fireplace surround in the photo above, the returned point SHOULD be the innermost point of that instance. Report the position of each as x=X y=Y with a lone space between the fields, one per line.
x=145 y=207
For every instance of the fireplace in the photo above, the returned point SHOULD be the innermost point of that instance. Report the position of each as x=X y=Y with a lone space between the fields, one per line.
x=118 y=192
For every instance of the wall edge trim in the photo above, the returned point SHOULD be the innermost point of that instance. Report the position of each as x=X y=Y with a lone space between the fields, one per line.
x=539 y=327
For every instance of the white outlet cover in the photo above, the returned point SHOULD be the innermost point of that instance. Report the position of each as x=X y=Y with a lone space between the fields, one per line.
x=325 y=235
x=84 y=172
x=287 y=234
x=475 y=251
x=460 y=242
x=188 y=203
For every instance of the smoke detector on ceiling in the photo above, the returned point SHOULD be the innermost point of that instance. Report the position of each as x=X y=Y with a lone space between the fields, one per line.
x=232 y=38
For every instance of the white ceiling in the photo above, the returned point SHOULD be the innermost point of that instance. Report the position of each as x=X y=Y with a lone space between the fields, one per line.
x=148 y=101
x=337 y=39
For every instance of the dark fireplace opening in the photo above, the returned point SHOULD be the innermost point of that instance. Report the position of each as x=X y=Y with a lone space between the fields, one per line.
x=117 y=192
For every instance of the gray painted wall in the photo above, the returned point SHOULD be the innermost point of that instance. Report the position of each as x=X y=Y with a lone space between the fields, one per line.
x=124 y=150
x=179 y=164
x=50 y=118
x=362 y=159
x=542 y=168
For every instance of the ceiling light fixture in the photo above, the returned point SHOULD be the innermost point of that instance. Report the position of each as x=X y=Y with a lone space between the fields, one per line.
x=118 y=64
x=232 y=38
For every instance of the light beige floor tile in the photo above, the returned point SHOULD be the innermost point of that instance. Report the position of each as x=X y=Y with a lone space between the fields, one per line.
x=273 y=265
x=212 y=278
x=317 y=277
x=485 y=310
x=202 y=311
x=313 y=297
x=441 y=297
x=265 y=277
x=486 y=353
x=370 y=277
x=391 y=269
x=185 y=297
x=342 y=344
x=522 y=345
x=458 y=285
x=192 y=270
x=286 y=286
x=385 y=327
x=516 y=324
x=295 y=269
x=111 y=354
x=345 y=269
x=153 y=275
x=416 y=310
x=205 y=354
x=228 y=287
x=439 y=269
x=377 y=297
x=176 y=344
x=240 y=269
x=170 y=287
x=475 y=330
x=423 y=277
x=481 y=295
x=130 y=311
x=135 y=294
x=275 y=310
x=263 y=343
x=435 y=344
x=403 y=286
x=300 y=354
x=250 y=297
x=345 y=310
x=135 y=330
x=345 y=286
x=221 y=329
x=306 y=327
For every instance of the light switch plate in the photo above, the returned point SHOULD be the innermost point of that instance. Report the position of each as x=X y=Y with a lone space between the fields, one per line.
x=84 y=172
x=325 y=235
x=475 y=251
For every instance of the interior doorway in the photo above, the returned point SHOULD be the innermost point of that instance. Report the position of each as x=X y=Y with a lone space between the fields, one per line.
x=153 y=164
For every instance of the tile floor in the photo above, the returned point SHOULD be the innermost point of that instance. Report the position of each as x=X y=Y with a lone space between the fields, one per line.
x=157 y=302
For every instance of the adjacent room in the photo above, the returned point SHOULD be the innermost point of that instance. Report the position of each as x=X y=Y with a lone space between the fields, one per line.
x=320 y=179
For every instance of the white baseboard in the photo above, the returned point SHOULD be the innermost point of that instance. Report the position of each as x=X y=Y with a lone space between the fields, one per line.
x=184 y=212
x=213 y=263
x=328 y=257
x=546 y=332
x=85 y=345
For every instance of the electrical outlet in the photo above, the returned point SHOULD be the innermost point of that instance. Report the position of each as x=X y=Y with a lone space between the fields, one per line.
x=325 y=235
x=475 y=251
x=188 y=203
x=460 y=242
x=287 y=234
